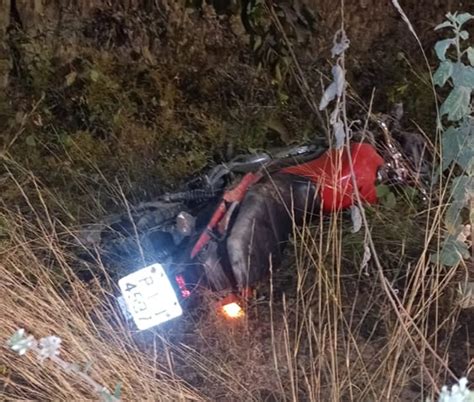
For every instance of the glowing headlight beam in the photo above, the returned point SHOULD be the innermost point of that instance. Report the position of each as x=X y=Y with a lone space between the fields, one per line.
x=232 y=310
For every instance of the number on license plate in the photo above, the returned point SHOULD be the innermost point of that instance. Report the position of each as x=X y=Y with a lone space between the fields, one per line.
x=150 y=297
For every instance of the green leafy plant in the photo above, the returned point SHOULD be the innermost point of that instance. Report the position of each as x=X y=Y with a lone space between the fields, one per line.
x=456 y=68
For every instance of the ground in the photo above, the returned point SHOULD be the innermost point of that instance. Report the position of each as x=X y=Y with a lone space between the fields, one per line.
x=107 y=104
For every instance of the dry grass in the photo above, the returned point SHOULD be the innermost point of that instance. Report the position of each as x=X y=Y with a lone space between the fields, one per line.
x=325 y=331
x=32 y=267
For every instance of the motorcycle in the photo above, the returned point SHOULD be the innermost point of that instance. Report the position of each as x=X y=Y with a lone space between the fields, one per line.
x=165 y=248
x=201 y=237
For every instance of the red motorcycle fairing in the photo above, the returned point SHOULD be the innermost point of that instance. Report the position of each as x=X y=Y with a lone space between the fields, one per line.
x=331 y=173
x=271 y=206
x=263 y=208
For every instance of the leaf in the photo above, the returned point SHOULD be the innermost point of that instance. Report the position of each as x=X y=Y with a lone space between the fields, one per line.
x=463 y=18
x=356 y=219
x=456 y=106
x=283 y=97
x=390 y=201
x=339 y=79
x=464 y=35
x=382 y=190
x=367 y=255
x=470 y=55
x=66 y=140
x=463 y=188
x=49 y=347
x=105 y=396
x=445 y=24
x=452 y=217
x=442 y=46
x=458 y=146
x=20 y=342
x=275 y=124
x=31 y=141
x=339 y=133
x=71 y=78
x=328 y=96
x=450 y=146
x=443 y=73
x=341 y=45
x=94 y=75
x=451 y=17
x=335 y=114
x=278 y=75
x=386 y=197
x=452 y=251
x=18 y=336
x=258 y=42
x=335 y=88
x=463 y=76
x=118 y=390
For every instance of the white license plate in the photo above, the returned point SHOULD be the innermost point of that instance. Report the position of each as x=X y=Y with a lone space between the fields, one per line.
x=149 y=297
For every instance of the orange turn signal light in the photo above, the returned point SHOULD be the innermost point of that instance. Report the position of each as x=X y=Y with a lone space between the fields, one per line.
x=233 y=310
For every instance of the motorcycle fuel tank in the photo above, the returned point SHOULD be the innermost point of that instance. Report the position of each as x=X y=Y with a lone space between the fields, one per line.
x=331 y=173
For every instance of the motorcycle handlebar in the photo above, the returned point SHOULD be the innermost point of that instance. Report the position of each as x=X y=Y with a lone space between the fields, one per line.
x=250 y=163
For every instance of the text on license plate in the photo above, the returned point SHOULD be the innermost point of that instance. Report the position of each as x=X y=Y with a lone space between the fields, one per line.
x=150 y=297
